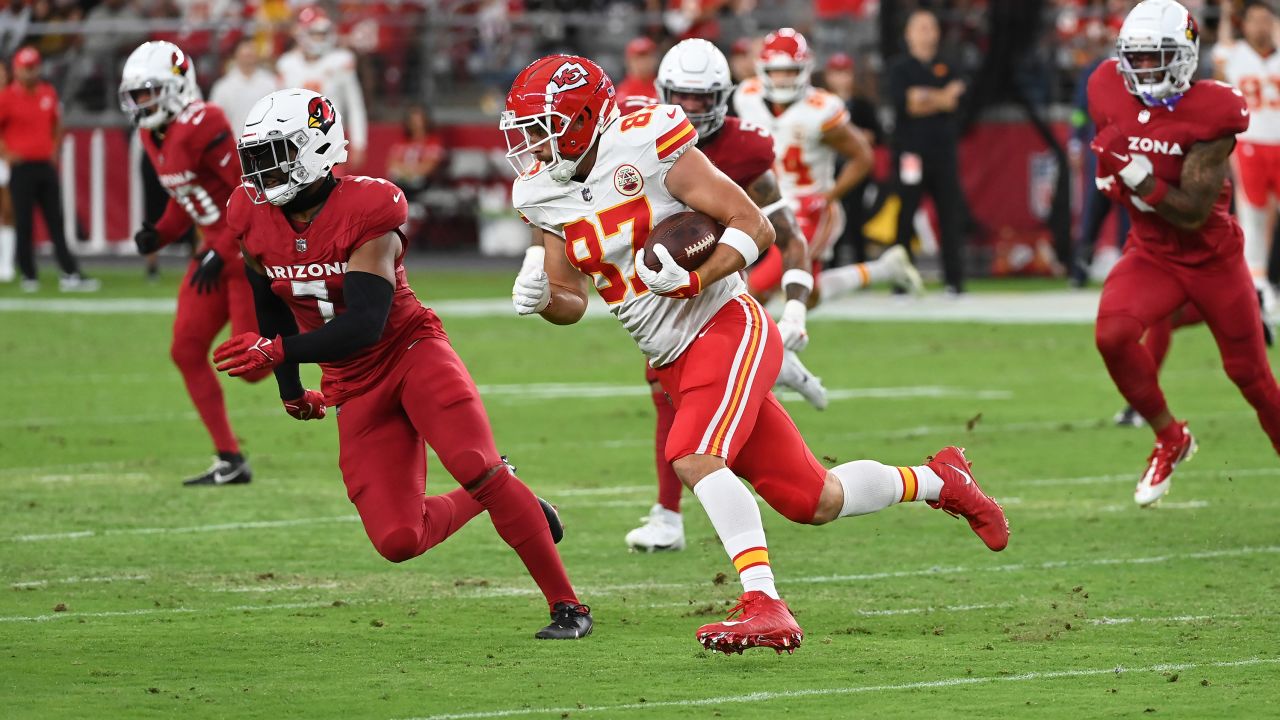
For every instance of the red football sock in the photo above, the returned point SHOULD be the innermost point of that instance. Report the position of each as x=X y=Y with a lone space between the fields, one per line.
x=518 y=518
x=206 y=395
x=670 y=488
x=444 y=515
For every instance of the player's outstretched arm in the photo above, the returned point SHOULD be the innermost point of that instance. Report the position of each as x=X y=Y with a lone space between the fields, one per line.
x=1188 y=206
x=694 y=181
x=566 y=287
x=765 y=193
x=367 y=287
x=850 y=143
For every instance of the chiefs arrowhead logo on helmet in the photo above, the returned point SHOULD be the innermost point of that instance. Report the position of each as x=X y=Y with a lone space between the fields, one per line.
x=179 y=62
x=321 y=114
x=567 y=77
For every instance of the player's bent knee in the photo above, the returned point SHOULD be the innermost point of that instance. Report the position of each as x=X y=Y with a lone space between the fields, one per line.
x=692 y=468
x=1244 y=373
x=400 y=544
x=1114 y=333
x=188 y=354
x=830 y=502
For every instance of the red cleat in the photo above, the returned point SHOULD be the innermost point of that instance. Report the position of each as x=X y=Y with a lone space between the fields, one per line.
x=1155 y=482
x=961 y=497
x=764 y=622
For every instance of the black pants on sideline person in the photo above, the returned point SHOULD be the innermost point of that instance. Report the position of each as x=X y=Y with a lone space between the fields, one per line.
x=938 y=175
x=32 y=184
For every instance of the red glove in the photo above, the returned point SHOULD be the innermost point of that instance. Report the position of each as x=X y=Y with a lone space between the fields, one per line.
x=308 y=407
x=1112 y=149
x=247 y=352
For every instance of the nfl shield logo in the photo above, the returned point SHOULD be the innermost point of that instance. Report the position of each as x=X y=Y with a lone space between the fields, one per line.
x=300 y=244
x=586 y=194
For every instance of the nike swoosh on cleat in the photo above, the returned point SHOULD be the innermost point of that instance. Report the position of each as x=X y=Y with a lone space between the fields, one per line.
x=967 y=477
x=222 y=479
x=395 y=198
x=731 y=623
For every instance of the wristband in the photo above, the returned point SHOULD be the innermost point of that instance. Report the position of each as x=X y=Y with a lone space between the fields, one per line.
x=1157 y=193
x=741 y=242
x=775 y=206
x=1134 y=174
x=796 y=276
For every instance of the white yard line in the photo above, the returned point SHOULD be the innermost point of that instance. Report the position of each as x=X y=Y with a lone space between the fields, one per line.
x=220 y=527
x=28 y=584
x=766 y=696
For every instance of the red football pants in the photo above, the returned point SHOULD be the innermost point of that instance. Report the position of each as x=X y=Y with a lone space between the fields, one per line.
x=199 y=319
x=1143 y=290
x=721 y=389
x=429 y=397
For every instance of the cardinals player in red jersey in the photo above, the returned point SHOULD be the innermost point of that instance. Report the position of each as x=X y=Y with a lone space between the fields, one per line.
x=193 y=149
x=325 y=262
x=695 y=75
x=1163 y=145
x=594 y=184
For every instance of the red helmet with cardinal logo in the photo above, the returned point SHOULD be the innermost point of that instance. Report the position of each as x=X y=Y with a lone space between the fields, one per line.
x=565 y=100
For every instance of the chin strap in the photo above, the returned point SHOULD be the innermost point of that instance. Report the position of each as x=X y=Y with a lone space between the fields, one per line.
x=1167 y=102
x=311 y=196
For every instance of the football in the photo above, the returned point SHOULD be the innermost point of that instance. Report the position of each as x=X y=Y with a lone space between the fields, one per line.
x=689 y=236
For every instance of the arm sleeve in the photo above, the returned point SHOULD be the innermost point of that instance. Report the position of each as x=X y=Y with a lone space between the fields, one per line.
x=368 y=299
x=275 y=318
x=173 y=223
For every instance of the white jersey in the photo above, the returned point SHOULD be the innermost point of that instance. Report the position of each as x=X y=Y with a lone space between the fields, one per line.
x=606 y=219
x=803 y=163
x=1258 y=78
x=334 y=76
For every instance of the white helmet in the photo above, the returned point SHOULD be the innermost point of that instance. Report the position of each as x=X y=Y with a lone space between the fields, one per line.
x=291 y=138
x=1163 y=29
x=784 y=49
x=696 y=66
x=158 y=83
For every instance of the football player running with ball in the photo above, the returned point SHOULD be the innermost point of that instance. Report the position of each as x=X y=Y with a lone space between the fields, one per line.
x=594 y=184
x=193 y=149
x=695 y=75
x=1163 y=145
x=325 y=260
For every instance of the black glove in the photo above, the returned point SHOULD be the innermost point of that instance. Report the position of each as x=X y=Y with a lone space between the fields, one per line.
x=208 y=268
x=147 y=239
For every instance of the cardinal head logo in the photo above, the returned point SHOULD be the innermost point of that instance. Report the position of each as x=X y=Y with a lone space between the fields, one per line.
x=321 y=114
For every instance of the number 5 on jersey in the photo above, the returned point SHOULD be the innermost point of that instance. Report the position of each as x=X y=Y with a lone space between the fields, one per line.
x=585 y=248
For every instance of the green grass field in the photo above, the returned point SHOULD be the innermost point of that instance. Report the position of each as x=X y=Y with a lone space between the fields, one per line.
x=126 y=595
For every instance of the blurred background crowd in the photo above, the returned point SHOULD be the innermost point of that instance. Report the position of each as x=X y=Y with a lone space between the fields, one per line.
x=421 y=82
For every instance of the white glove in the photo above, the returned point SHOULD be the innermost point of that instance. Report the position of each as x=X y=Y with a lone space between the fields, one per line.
x=791 y=326
x=531 y=294
x=672 y=280
x=534 y=259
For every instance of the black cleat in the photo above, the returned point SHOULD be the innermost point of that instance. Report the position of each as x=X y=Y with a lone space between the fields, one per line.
x=569 y=621
x=227 y=469
x=553 y=520
x=1128 y=417
x=1268 y=332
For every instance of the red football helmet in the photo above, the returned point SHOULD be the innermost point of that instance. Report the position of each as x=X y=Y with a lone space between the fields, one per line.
x=784 y=49
x=562 y=98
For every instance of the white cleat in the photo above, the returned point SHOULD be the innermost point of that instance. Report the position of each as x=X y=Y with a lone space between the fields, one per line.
x=74 y=283
x=662 y=530
x=904 y=273
x=795 y=376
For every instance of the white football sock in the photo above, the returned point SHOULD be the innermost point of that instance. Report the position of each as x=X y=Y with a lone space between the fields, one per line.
x=870 y=486
x=1254 y=222
x=736 y=517
x=849 y=278
x=6 y=253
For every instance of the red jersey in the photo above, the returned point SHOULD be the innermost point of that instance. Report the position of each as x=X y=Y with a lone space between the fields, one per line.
x=196 y=162
x=636 y=87
x=27 y=121
x=307 y=268
x=741 y=150
x=1209 y=111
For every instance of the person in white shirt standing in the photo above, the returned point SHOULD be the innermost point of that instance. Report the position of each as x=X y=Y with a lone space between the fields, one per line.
x=245 y=82
x=317 y=63
x=1253 y=66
